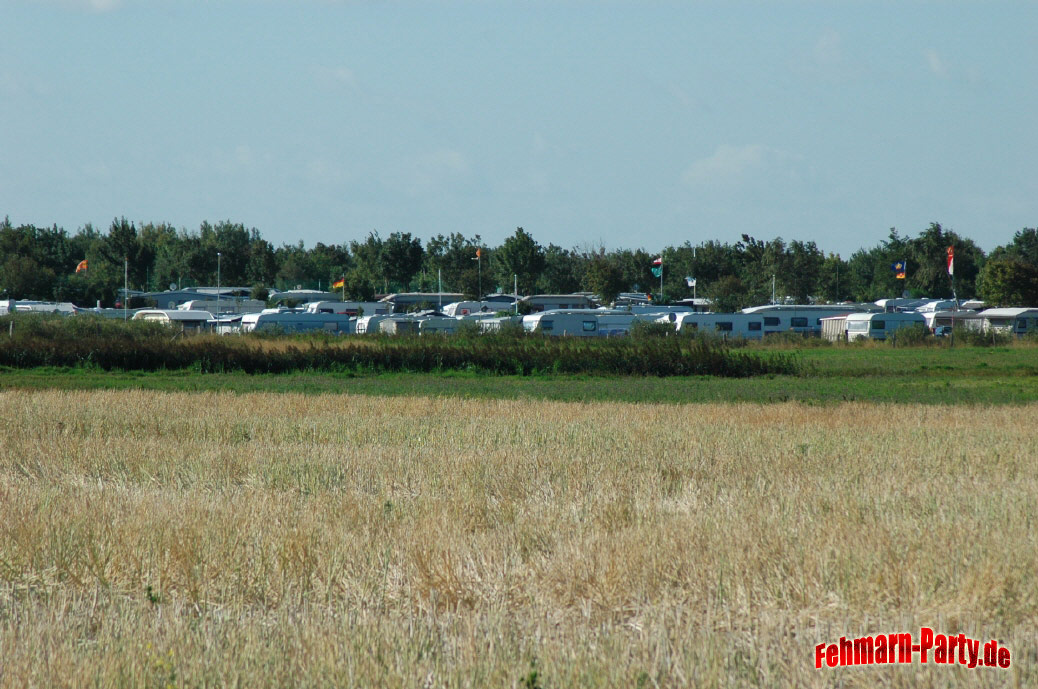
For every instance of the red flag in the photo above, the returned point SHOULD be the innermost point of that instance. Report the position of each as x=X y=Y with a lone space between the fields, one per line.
x=81 y=266
x=951 y=261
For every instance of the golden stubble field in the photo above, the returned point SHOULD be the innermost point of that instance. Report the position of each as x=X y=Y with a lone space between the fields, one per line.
x=199 y=540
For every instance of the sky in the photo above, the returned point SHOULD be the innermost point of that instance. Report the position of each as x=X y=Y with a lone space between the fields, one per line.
x=590 y=124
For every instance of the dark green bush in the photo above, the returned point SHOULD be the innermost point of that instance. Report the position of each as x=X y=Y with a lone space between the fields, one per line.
x=143 y=346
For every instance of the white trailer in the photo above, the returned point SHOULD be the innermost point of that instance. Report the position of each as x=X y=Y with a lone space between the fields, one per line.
x=803 y=318
x=470 y=308
x=293 y=321
x=9 y=306
x=225 y=305
x=1016 y=321
x=370 y=324
x=187 y=321
x=723 y=325
x=580 y=322
x=441 y=325
x=350 y=308
x=878 y=326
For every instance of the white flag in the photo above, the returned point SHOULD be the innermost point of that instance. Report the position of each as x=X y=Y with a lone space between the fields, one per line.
x=690 y=281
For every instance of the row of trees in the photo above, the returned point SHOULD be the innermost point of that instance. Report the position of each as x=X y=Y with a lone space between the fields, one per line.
x=40 y=263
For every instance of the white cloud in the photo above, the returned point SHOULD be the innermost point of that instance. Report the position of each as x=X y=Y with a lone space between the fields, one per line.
x=828 y=51
x=936 y=64
x=340 y=76
x=730 y=164
x=429 y=171
x=87 y=5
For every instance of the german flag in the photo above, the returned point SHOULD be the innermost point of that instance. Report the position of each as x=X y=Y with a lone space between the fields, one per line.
x=339 y=284
x=81 y=266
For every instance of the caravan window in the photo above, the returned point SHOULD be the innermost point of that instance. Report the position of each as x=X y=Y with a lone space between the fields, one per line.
x=771 y=320
x=724 y=326
x=547 y=326
x=798 y=322
x=1021 y=324
x=590 y=326
x=879 y=325
x=754 y=325
x=691 y=324
x=857 y=326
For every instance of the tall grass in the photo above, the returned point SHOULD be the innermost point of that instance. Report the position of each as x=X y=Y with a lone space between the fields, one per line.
x=189 y=540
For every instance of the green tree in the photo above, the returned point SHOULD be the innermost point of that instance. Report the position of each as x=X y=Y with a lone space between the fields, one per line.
x=123 y=245
x=1024 y=247
x=729 y=295
x=454 y=257
x=1009 y=281
x=401 y=259
x=522 y=256
x=564 y=271
x=604 y=278
x=835 y=281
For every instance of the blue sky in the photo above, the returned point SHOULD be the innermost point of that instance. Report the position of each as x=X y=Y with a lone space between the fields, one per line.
x=623 y=124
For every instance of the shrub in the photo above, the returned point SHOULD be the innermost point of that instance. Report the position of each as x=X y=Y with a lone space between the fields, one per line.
x=915 y=335
x=648 y=329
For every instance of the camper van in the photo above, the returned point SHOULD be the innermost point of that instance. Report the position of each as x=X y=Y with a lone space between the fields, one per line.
x=878 y=326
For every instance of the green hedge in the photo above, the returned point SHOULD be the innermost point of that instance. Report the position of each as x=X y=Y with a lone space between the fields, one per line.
x=134 y=346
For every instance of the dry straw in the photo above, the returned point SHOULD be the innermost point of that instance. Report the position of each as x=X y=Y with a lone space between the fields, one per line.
x=158 y=539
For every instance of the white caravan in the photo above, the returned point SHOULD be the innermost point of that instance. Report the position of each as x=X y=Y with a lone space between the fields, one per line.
x=470 y=308
x=580 y=322
x=803 y=318
x=723 y=325
x=294 y=321
x=225 y=305
x=878 y=326
x=351 y=308
x=188 y=321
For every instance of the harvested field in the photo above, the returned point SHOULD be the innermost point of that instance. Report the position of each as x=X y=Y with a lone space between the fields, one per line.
x=211 y=539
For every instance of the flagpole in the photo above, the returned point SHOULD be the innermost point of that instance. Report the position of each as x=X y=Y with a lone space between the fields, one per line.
x=661 y=279
x=126 y=286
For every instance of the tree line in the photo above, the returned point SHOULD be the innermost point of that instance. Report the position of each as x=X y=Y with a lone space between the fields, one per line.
x=41 y=263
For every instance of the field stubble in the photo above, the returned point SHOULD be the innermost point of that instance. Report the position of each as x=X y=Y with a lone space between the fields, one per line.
x=208 y=539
